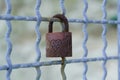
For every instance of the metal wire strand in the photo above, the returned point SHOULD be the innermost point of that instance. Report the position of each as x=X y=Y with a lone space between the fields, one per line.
x=63 y=65
x=38 y=39
x=9 y=44
x=58 y=62
x=62 y=6
x=104 y=38
x=85 y=39
x=118 y=33
x=72 y=20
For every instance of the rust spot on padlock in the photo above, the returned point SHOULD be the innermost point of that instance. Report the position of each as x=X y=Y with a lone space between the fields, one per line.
x=59 y=44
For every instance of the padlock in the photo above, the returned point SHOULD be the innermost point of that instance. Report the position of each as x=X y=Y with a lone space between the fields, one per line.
x=59 y=44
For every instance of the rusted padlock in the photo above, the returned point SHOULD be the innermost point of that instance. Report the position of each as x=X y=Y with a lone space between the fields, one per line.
x=59 y=44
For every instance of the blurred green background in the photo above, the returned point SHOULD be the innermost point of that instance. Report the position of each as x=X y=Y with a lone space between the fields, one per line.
x=23 y=38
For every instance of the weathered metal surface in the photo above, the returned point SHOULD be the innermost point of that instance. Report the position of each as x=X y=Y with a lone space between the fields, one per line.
x=59 y=44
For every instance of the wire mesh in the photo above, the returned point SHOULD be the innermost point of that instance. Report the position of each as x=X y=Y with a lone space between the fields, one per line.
x=38 y=19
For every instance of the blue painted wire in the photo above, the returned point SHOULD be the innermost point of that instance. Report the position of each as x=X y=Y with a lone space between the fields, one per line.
x=8 y=41
x=9 y=50
x=85 y=51
x=62 y=6
x=104 y=38
x=73 y=20
x=58 y=62
x=63 y=59
x=85 y=39
x=38 y=39
x=118 y=30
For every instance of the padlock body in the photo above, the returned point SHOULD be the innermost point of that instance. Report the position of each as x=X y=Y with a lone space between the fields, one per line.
x=59 y=44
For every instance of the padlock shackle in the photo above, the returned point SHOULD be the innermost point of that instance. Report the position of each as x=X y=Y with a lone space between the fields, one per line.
x=63 y=19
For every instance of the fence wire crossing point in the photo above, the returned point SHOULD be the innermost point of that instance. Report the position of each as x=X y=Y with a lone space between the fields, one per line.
x=85 y=39
x=104 y=38
x=8 y=17
x=38 y=53
x=8 y=41
x=118 y=28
